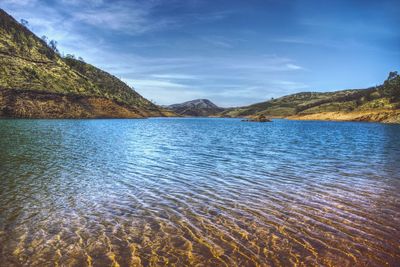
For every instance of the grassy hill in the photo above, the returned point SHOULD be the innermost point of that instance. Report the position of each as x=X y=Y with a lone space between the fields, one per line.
x=384 y=98
x=40 y=80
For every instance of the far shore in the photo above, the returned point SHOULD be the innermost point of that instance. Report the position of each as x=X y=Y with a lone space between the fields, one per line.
x=383 y=116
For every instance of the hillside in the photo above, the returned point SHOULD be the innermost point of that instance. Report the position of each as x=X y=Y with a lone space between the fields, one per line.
x=35 y=81
x=196 y=108
x=381 y=103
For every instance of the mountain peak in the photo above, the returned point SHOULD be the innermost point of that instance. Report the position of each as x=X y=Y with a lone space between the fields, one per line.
x=197 y=107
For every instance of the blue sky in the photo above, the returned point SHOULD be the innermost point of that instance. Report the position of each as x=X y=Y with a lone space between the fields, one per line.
x=231 y=52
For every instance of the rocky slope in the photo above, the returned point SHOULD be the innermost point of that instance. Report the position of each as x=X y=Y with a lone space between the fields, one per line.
x=36 y=82
x=380 y=103
x=196 y=108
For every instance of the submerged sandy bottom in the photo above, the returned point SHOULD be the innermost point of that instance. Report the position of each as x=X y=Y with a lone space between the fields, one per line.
x=189 y=192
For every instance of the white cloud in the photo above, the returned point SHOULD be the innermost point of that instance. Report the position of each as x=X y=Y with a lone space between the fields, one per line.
x=267 y=63
x=82 y=2
x=19 y=2
x=137 y=83
x=166 y=77
x=289 y=85
x=129 y=17
x=175 y=76
x=293 y=66
x=165 y=92
x=218 y=41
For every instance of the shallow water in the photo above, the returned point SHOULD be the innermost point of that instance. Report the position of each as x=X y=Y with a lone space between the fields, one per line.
x=206 y=192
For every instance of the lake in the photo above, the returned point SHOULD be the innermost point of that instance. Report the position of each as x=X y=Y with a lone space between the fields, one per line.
x=199 y=191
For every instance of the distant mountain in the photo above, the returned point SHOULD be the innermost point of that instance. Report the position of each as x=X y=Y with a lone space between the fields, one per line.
x=36 y=82
x=380 y=103
x=196 y=108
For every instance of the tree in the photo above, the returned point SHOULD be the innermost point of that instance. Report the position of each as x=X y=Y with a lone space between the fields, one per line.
x=70 y=56
x=391 y=87
x=50 y=49
x=53 y=45
x=392 y=75
x=24 y=23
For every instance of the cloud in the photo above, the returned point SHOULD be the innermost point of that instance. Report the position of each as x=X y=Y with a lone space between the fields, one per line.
x=289 y=85
x=266 y=63
x=153 y=83
x=218 y=41
x=293 y=66
x=297 y=40
x=130 y=18
x=19 y=2
x=211 y=17
x=226 y=80
x=166 y=92
x=175 y=76
x=82 y=2
x=161 y=70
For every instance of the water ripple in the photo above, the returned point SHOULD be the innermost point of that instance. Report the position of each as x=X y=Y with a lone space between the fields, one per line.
x=198 y=192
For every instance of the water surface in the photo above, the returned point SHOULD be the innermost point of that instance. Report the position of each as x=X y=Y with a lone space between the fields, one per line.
x=205 y=192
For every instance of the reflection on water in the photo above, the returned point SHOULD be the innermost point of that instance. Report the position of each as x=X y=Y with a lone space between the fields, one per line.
x=207 y=192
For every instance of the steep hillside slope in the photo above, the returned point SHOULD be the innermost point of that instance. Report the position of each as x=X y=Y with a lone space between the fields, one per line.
x=196 y=108
x=362 y=104
x=36 y=82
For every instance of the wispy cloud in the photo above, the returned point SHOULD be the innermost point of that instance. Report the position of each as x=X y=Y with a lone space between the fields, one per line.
x=293 y=66
x=166 y=92
x=153 y=83
x=130 y=18
x=164 y=78
x=19 y=2
x=266 y=63
x=177 y=50
x=218 y=41
x=83 y=2
x=175 y=76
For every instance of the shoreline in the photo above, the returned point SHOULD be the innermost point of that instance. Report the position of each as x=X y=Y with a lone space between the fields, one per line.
x=382 y=116
x=31 y=104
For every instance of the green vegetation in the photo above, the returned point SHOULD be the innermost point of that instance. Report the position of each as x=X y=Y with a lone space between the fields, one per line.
x=34 y=64
x=391 y=87
x=386 y=96
x=29 y=63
